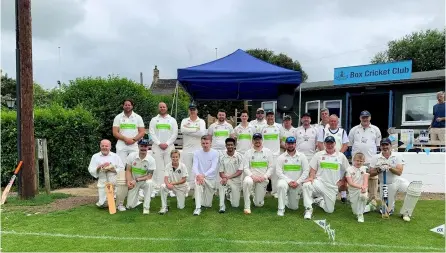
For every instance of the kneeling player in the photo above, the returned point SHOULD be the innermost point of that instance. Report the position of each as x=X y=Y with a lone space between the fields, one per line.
x=292 y=170
x=389 y=167
x=175 y=177
x=140 y=167
x=327 y=169
x=357 y=179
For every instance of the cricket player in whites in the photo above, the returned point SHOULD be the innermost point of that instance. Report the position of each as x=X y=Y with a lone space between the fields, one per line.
x=327 y=169
x=243 y=134
x=286 y=131
x=306 y=137
x=164 y=131
x=192 y=128
x=128 y=129
x=139 y=171
x=292 y=169
x=175 y=179
x=219 y=131
x=205 y=170
x=259 y=122
x=257 y=167
x=104 y=166
x=230 y=166
x=392 y=164
x=271 y=140
x=357 y=179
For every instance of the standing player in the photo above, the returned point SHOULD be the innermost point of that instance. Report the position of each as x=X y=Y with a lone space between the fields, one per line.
x=306 y=137
x=292 y=170
x=287 y=131
x=392 y=164
x=140 y=168
x=164 y=131
x=259 y=122
x=357 y=179
x=205 y=170
x=365 y=138
x=327 y=169
x=257 y=167
x=271 y=140
x=104 y=166
x=325 y=113
x=243 y=134
x=175 y=179
x=128 y=129
x=192 y=128
x=219 y=131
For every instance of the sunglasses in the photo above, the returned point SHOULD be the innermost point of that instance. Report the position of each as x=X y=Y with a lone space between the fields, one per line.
x=260 y=112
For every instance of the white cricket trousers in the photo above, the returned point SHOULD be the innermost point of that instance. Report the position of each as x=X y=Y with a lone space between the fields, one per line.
x=288 y=196
x=132 y=198
x=274 y=178
x=320 y=189
x=234 y=195
x=256 y=189
x=121 y=184
x=180 y=192
x=162 y=158
x=399 y=185
x=357 y=203
x=204 y=193
x=103 y=178
x=187 y=157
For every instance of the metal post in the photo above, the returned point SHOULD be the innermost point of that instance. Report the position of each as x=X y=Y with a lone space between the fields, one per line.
x=300 y=103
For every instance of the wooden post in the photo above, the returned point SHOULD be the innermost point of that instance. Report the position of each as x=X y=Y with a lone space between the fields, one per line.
x=46 y=169
x=28 y=175
x=37 y=164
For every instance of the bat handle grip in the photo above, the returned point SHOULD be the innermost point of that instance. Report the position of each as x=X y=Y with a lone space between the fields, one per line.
x=18 y=167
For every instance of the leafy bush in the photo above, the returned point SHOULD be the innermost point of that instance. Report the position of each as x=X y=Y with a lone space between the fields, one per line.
x=72 y=137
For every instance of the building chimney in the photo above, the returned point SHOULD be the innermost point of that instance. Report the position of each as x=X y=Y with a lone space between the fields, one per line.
x=156 y=75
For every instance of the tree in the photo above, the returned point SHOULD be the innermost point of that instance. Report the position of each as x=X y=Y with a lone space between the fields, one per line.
x=426 y=49
x=8 y=86
x=281 y=60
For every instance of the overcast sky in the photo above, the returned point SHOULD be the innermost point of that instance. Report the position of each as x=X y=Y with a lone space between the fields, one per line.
x=101 y=37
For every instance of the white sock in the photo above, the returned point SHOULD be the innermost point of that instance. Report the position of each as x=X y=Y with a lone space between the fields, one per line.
x=343 y=194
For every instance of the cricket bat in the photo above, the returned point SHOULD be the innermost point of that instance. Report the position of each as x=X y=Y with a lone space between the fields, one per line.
x=385 y=201
x=110 y=198
x=11 y=182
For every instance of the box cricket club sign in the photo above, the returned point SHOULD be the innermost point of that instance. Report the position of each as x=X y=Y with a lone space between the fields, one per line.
x=373 y=73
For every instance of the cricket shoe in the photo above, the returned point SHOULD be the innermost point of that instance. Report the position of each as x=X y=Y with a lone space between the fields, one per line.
x=308 y=213
x=406 y=218
x=145 y=211
x=360 y=218
x=121 y=208
x=172 y=194
x=163 y=210
x=222 y=209
x=247 y=211
x=281 y=212
x=197 y=211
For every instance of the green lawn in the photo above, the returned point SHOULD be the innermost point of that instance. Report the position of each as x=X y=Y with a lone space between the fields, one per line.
x=88 y=228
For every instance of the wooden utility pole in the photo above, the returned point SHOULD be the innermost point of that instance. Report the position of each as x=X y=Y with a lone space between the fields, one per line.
x=28 y=175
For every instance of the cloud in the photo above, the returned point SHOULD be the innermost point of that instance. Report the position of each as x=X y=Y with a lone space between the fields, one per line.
x=101 y=37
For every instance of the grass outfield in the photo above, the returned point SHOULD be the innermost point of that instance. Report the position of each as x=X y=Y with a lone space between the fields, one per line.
x=88 y=228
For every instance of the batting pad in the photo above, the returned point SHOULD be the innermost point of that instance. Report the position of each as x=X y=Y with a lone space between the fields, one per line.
x=413 y=193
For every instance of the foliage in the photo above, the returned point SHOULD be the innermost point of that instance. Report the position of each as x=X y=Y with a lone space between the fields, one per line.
x=40 y=199
x=281 y=60
x=8 y=85
x=425 y=48
x=104 y=96
x=72 y=136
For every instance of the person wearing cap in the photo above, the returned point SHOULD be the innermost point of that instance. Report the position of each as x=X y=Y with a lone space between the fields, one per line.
x=258 y=168
x=140 y=167
x=271 y=140
x=128 y=129
x=287 y=131
x=230 y=167
x=104 y=166
x=163 y=130
x=192 y=129
x=365 y=138
x=392 y=164
x=292 y=169
x=243 y=133
x=327 y=172
x=219 y=131
x=306 y=137
x=259 y=122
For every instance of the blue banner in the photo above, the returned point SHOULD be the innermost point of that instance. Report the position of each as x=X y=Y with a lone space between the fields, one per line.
x=373 y=73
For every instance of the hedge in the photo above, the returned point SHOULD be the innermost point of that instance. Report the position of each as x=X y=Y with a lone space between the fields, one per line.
x=72 y=136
